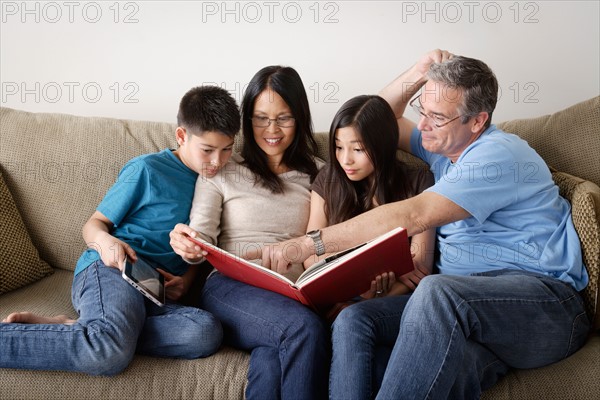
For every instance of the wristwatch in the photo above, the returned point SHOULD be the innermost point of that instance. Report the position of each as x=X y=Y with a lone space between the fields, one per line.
x=319 y=245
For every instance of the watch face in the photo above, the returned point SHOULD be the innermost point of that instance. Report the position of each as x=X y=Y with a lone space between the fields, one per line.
x=314 y=234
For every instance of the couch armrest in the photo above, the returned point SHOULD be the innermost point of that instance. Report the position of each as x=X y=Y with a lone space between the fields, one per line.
x=585 y=202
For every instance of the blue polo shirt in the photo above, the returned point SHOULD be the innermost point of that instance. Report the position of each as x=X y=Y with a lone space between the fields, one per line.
x=152 y=194
x=518 y=219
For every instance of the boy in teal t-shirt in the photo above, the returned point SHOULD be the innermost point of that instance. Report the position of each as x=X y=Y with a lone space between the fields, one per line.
x=151 y=195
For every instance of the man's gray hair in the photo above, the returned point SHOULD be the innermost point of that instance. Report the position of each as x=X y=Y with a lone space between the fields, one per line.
x=474 y=79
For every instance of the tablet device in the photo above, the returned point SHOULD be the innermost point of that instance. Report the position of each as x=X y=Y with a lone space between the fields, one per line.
x=145 y=278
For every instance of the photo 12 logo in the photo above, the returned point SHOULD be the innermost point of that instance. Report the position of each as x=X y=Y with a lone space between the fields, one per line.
x=470 y=11
x=53 y=12
x=71 y=92
x=253 y=12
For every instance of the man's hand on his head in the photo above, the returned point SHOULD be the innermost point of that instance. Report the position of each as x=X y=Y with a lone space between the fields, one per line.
x=433 y=57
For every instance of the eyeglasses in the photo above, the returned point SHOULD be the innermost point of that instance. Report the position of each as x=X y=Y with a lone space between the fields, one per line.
x=437 y=120
x=282 y=122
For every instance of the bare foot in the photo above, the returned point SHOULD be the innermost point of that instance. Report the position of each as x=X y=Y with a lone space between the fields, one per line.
x=29 y=318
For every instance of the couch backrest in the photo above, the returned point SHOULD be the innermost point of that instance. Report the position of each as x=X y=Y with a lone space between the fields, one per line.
x=58 y=167
x=568 y=140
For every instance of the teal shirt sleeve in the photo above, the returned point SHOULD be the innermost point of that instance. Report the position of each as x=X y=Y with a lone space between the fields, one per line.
x=128 y=193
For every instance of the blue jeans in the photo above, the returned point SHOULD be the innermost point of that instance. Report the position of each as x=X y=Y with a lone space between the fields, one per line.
x=289 y=343
x=114 y=321
x=455 y=336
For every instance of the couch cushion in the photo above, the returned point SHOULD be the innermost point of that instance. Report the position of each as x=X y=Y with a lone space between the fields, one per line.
x=568 y=140
x=585 y=202
x=58 y=167
x=49 y=296
x=575 y=377
x=221 y=376
x=20 y=263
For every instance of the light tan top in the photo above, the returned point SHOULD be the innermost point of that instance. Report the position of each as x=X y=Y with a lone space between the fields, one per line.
x=233 y=212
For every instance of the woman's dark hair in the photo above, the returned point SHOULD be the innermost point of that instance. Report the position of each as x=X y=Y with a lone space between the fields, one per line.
x=374 y=121
x=299 y=156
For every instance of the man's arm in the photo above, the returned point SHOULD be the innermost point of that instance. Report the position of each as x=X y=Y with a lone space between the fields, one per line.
x=399 y=92
x=316 y=220
x=417 y=214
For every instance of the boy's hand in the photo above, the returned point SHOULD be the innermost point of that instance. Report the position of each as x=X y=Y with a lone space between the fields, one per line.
x=175 y=286
x=183 y=246
x=113 y=251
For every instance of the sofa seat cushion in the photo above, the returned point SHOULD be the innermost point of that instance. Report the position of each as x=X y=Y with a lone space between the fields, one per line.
x=575 y=377
x=49 y=296
x=221 y=376
x=585 y=209
x=20 y=263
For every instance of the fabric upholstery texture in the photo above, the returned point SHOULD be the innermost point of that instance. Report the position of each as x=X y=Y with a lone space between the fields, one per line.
x=221 y=376
x=567 y=140
x=573 y=378
x=585 y=210
x=58 y=180
x=20 y=263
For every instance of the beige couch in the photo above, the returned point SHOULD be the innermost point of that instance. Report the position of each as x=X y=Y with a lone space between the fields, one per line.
x=58 y=167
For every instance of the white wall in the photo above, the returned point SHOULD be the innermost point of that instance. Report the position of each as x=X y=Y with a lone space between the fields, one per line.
x=136 y=59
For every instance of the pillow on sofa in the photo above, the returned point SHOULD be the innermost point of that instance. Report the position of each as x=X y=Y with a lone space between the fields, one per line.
x=585 y=203
x=20 y=263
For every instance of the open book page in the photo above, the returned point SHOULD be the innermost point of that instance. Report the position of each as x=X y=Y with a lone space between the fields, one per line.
x=338 y=278
x=351 y=274
x=325 y=263
x=221 y=259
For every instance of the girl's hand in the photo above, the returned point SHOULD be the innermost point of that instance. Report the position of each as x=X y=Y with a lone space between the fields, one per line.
x=381 y=286
x=412 y=279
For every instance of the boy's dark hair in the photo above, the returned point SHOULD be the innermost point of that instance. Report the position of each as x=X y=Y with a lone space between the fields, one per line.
x=209 y=108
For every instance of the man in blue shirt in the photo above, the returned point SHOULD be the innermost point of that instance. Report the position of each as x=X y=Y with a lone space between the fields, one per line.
x=510 y=260
x=152 y=194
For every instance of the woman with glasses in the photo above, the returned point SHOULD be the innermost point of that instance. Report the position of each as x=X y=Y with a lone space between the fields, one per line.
x=263 y=196
x=363 y=172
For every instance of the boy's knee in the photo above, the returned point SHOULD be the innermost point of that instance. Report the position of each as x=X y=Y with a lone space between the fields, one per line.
x=205 y=336
x=108 y=361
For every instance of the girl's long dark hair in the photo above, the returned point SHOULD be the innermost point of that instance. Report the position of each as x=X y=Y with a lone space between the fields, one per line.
x=299 y=156
x=375 y=123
